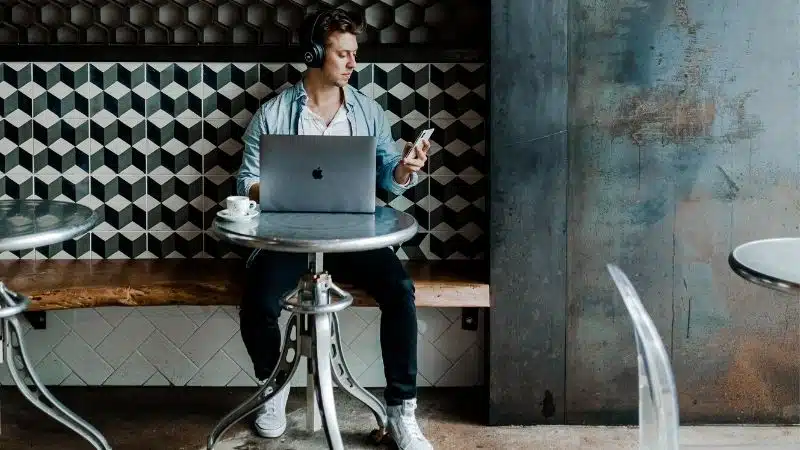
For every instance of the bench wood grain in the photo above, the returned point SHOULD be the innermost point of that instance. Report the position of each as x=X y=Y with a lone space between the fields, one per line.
x=63 y=284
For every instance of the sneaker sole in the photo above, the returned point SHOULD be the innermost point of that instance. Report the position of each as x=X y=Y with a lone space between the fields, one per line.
x=270 y=433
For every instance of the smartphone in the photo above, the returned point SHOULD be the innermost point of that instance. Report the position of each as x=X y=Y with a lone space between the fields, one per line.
x=425 y=134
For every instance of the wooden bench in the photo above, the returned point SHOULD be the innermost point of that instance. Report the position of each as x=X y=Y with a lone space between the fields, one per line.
x=65 y=284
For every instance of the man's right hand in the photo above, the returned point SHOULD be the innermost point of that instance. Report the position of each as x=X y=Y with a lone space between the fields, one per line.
x=254 y=193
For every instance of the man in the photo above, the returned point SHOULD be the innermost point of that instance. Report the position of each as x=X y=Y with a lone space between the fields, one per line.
x=323 y=103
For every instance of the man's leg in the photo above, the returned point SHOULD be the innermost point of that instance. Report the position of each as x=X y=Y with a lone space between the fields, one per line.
x=270 y=276
x=382 y=275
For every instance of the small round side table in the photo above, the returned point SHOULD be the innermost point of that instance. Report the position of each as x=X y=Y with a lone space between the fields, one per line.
x=313 y=327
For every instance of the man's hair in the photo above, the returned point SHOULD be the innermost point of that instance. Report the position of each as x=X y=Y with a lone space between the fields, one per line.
x=330 y=20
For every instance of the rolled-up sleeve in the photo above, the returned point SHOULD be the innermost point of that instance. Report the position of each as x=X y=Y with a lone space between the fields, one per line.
x=389 y=158
x=249 y=171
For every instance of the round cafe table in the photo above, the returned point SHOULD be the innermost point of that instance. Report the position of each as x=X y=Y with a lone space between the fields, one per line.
x=25 y=225
x=313 y=327
x=772 y=263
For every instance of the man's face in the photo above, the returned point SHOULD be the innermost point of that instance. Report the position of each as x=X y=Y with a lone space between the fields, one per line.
x=340 y=58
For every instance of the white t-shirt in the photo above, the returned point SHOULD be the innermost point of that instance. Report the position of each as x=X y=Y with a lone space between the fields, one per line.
x=312 y=124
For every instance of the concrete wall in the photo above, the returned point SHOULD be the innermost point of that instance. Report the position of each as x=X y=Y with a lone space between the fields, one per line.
x=683 y=143
x=528 y=216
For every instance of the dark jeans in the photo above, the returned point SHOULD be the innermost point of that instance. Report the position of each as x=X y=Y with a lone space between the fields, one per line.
x=379 y=272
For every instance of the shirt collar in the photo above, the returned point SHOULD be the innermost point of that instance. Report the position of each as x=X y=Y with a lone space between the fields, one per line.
x=302 y=96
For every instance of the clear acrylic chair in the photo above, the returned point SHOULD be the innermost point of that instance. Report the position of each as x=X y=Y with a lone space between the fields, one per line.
x=658 y=399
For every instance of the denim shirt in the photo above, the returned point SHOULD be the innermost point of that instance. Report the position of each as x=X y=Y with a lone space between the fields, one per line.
x=281 y=115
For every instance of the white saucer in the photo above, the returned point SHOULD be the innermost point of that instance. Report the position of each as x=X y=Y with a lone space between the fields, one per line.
x=225 y=214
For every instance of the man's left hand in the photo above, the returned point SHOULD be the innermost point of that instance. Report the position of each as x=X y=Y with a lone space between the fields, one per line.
x=413 y=162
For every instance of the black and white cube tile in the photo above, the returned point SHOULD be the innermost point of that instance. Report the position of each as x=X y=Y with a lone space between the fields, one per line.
x=276 y=77
x=178 y=90
x=155 y=147
x=17 y=183
x=16 y=134
x=186 y=244
x=222 y=147
x=397 y=90
x=458 y=148
x=458 y=91
x=15 y=90
x=61 y=144
x=174 y=146
x=60 y=89
x=232 y=91
x=458 y=220
x=174 y=203
x=119 y=200
x=118 y=143
x=16 y=144
x=69 y=186
x=118 y=88
x=118 y=244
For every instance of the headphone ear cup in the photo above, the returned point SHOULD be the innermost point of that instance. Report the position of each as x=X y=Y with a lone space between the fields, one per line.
x=318 y=55
x=308 y=55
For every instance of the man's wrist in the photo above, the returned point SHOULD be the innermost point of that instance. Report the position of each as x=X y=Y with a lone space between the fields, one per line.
x=253 y=192
x=402 y=175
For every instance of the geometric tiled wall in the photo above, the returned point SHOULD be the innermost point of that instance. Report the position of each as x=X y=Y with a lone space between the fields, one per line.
x=154 y=148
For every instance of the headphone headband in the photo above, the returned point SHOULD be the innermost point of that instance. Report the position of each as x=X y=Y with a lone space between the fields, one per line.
x=320 y=13
x=313 y=51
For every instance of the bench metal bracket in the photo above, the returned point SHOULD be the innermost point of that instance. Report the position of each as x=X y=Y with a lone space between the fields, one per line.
x=469 y=318
x=37 y=319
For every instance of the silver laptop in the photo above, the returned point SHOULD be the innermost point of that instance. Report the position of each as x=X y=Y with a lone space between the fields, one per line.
x=302 y=173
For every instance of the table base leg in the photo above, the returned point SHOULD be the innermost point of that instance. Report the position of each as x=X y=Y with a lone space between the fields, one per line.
x=323 y=382
x=22 y=373
x=345 y=380
x=280 y=377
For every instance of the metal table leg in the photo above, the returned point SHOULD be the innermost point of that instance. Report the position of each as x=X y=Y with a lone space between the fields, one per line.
x=280 y=377
x=316 y=337
x=346 y=381
x=25 y=378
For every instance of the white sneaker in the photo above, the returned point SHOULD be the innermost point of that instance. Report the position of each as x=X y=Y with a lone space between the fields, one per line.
x=403 y=427
x=271 y=419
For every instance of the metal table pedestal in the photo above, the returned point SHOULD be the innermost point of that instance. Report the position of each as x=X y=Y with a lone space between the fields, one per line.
x=20 y=367
x=313 y=332
x=26 y=224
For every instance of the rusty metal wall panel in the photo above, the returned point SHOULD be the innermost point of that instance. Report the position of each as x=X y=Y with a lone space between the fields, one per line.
x=683 y=144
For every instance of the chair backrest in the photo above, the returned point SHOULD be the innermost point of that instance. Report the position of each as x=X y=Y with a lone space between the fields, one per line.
x=658 y=399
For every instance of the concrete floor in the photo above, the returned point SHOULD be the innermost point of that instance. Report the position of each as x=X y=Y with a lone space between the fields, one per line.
x=180 y=418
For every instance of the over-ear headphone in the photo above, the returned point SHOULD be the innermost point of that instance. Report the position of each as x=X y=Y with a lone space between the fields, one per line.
x=314 y=52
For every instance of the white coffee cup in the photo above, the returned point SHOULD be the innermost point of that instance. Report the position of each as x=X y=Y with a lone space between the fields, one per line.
x=239 y=205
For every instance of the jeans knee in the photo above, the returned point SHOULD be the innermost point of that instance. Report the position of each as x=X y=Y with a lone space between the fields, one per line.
x=261 y=314
x=397 y=295
x=406 y=286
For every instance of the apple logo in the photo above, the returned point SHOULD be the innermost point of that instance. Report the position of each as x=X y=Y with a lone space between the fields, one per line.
x=317 y=173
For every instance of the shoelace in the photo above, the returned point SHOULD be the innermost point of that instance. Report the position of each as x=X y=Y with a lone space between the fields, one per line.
x=271 y=407
x=412 y=426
